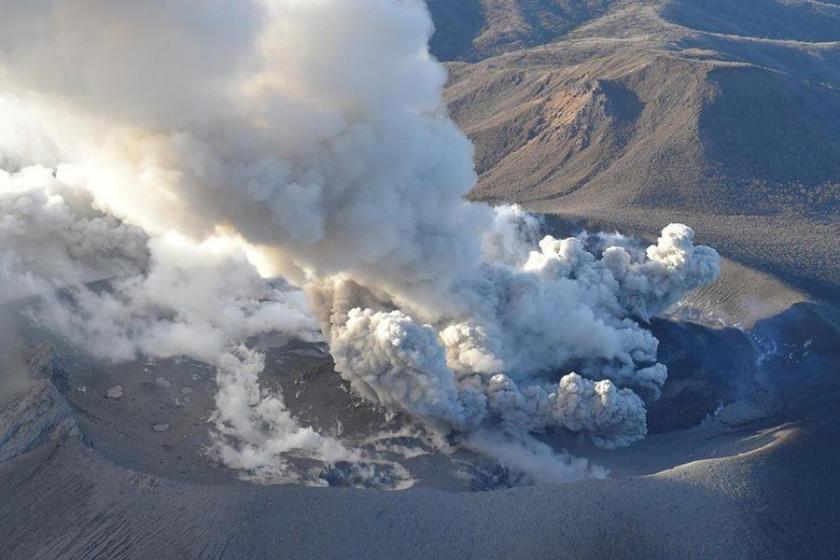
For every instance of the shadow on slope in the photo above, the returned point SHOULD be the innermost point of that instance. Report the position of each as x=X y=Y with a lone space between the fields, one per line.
x=796 y=20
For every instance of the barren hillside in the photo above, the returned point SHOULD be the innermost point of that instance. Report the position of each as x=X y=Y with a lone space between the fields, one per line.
x=635 y=112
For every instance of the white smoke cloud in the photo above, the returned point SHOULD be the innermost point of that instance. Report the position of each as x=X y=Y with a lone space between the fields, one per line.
x=195 y=300
x=513 y=234
x=532 y=459
x=612 y=417
x=309 y=141
x=50 y=235
x=565 y=307
x=256 y=432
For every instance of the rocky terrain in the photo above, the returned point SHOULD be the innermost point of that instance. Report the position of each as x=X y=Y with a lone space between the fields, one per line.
x=636 y=113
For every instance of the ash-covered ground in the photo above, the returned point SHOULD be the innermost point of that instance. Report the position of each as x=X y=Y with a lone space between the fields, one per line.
x=250 y=311
x=112 y=461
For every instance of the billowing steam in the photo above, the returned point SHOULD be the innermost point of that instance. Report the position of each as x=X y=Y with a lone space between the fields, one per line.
x=219 y=158
x=50 y=236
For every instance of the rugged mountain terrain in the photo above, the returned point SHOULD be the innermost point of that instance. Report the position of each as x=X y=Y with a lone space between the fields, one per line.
x=636 y=112
x=471 y=30
x=475 y=29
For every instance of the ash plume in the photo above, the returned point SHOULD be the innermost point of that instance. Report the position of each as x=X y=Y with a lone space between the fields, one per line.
x=14 y=375
x=306 y=150
x=51 y=235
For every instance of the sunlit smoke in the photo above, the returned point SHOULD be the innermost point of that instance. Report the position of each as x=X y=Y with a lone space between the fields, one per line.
x=219 y=159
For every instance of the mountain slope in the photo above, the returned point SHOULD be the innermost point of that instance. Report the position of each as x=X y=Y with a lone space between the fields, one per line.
x=699 y=108
x=475 y=29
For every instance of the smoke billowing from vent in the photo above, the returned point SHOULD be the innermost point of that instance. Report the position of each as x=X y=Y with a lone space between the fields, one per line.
x=218 y=157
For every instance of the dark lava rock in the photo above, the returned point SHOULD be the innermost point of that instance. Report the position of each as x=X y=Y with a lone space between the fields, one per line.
x=706 y=369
